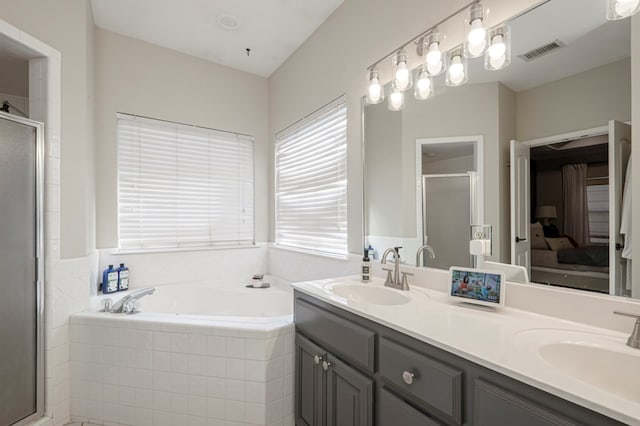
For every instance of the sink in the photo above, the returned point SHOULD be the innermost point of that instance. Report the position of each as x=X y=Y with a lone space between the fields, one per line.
x=369 y=294
x=600 y=360
x=614 y=371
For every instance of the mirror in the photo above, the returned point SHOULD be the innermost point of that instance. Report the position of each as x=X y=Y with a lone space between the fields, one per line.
x=439 y=165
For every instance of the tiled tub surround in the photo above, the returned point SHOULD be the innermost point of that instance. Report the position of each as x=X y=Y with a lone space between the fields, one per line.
x=155 y=369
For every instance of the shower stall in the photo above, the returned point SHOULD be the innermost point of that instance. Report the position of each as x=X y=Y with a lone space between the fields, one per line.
x=21 y=270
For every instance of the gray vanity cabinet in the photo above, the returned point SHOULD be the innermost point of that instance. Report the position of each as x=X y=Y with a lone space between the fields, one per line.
x=378 y=376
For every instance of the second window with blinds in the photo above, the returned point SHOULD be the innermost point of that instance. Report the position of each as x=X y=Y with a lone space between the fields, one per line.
x=311 y=182
x=182 y=186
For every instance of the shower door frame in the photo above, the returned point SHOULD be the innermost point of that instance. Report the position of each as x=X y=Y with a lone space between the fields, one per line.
x=39 y=165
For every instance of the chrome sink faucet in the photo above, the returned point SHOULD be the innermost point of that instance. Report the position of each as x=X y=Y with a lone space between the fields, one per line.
x=395 y=281
x=634 y=339
x=419 y=258
x=129 y=303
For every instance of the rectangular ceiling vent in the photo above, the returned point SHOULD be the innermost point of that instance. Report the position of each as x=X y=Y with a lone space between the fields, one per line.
x=541 y=51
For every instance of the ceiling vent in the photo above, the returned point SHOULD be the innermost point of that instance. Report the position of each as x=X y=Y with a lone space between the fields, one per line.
x=541 y=51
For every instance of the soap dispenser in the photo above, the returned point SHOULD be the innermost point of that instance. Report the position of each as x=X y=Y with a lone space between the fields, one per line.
x=109 y=280
x=366 y=267
x=123 y=278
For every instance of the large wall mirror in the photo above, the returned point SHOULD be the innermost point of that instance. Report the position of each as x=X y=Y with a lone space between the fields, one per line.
x=539 y=150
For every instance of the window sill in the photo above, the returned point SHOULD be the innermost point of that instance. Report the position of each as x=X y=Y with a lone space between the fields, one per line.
x=317 y=253
x=182 y=249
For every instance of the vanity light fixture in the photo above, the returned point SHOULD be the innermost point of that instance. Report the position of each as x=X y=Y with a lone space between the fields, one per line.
x=375 y=94
x=457 y=73
x=498 y=54
x=424 y=83
x=396 y=99
x=475 y=34
x=401 y=72
x=434 y=57
x=620 y=9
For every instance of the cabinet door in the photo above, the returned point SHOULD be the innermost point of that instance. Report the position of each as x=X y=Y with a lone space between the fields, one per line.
x=349 y=395
x=394 y=411
x=310 y=383
x=494 y=406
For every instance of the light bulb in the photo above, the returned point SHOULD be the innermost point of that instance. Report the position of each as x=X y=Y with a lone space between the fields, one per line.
x=396 y=100
x=498 y=61
x=375 y=90
x=476 y=39
x=456 y=68
x=434 y=56
x=626 y=7
x=423 y=86
x=402 y=76
x=498 y=48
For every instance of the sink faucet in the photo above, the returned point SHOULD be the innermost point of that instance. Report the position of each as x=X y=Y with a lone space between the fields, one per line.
x=634 y=339
x=127 y=304
x=395 y=281
x=429 y=250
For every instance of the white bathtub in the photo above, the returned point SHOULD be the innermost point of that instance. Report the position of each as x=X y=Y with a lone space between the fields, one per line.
x=198 y=353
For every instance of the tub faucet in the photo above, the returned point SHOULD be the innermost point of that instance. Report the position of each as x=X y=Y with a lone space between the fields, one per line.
x=429 y=250
x=634 y=339
x=394 y=281
x=129 y=303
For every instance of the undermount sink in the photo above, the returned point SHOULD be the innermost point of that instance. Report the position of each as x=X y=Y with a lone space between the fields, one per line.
x=597 y=359
x=369 y=294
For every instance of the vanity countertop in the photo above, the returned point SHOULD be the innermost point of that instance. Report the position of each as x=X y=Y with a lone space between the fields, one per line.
x=505 y=340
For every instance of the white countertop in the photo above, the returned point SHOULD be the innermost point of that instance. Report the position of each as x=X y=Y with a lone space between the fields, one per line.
x=497 y=339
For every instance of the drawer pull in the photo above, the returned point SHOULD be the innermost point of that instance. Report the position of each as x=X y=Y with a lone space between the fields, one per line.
x=408 y=377
x=325 y=365
x=317 y=359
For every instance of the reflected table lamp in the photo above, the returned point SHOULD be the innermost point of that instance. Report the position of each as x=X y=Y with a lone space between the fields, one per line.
x=544 y=214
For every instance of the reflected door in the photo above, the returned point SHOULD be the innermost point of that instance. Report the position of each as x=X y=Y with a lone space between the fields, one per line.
x=520 y=205
x=18 y=271
x=446 y=220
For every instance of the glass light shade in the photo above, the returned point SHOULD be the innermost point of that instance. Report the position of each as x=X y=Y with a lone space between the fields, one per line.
x=402 y=78
x=434 y=58
x=423 y=89
x=498 y=54
x=375 y=92
x=457 y=69
x=395 y=100
x=620 y=9
x=475 y=34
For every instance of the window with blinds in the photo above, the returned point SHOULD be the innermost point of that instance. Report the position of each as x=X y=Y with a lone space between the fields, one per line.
x=183 y=186
x=598 y=210
x=311 y=182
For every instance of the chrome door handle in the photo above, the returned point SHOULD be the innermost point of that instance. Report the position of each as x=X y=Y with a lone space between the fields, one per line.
x=325 y=365
x=317 y=359
x=408 y=377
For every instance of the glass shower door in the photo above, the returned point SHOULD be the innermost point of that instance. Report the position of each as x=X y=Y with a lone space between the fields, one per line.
x=20 y=230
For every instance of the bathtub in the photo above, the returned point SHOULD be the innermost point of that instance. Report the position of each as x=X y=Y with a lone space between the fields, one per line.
x=198 y=354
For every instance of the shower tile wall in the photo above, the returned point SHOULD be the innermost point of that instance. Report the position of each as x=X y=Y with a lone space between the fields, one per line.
x=143 y=374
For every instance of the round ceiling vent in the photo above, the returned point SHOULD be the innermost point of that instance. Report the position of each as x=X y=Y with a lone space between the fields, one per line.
x=228 y=22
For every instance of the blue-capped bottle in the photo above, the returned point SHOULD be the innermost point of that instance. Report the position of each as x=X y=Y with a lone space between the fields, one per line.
x=123 y=278
x=109 y=280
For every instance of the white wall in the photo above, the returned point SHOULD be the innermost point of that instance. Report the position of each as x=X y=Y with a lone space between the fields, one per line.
x=140 y=78
x=635 y=152
x=582 y=101
x=334 y=60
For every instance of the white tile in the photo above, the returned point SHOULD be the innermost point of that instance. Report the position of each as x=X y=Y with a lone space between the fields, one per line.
x=161 y=341
x=289 y=384
x=275 y=368
x=127 y=376
x=197 y=406
x=198 y=344
x=144 y=417
x=289 y=363
x=216 y=346
x=79 y=408
x=197 y=421
x=235 y=390
x=111 y=394
x=144 y=398
x=127 y=357
x=179 y=419
x=160 y=361
x=256 y=370
x=110 y=355
x=179 y=362
x=144 y=358
x=235 y=411
x=275 y=411
x=161 y=418
x=127 y=416
x=144 y=379
x=95 y=410
x=179 y=403
x=255 y=414
x=161 y=381
x=95 y=391
x=235 y=347
x=255 y=392
x=127 y=396
x=144 y=339
x=179 y=342
x=235 y=369
x=179 y=383
x=216 y=367
x=110 y=336
x=256 y=349
x=197 y=385
x=127 y=337
x=275 y=347
x=111 y=375
x=216 y=408
x=198 y=365
x=161 y=400
x=275 y=389
x=216 y=387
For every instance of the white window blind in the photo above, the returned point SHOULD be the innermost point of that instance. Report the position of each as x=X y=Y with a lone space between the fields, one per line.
x=598 y=205
x=311 y=182
x=183 y=186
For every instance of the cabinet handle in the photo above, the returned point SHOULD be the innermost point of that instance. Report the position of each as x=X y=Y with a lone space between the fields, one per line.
x=408 y=377
x=317 y=359
x=325 y=365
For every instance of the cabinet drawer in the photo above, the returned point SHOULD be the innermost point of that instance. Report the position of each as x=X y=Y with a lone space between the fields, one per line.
x=432 y=382
x=494 y=406
x=394 y=411
x=342 y=337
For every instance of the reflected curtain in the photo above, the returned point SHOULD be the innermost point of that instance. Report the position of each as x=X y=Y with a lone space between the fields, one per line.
x=576 y=210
